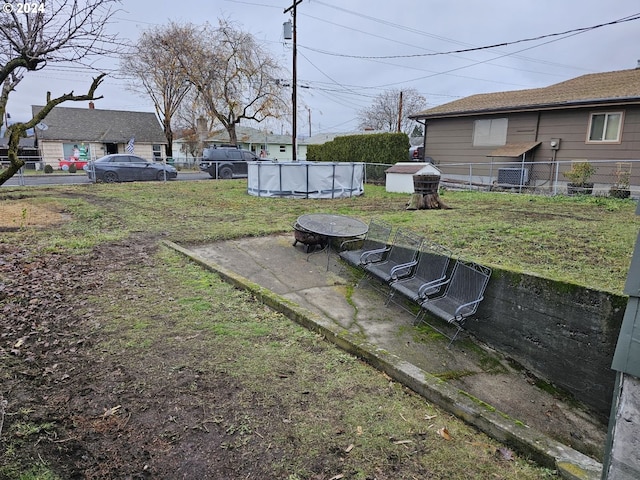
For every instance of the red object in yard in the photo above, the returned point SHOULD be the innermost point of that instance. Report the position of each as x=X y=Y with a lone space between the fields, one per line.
x=67 y=163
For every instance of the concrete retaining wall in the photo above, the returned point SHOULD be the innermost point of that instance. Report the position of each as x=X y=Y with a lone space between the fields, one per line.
x=561 y=332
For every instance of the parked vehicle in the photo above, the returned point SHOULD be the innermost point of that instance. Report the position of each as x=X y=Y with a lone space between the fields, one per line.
x=416 y=153
x=128 y=168
x=227 y=162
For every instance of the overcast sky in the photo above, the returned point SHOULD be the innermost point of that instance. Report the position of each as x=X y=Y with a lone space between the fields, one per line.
x=335 y=37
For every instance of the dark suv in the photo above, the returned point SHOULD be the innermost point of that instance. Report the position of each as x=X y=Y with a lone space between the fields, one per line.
x=226 y=162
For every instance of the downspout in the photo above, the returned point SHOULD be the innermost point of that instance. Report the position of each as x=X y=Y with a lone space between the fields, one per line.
x=534 y=150
x=524 y=156
x=537 y=127
x=424 y=138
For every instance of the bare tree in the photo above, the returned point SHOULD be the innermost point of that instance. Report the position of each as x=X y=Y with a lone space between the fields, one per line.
x=387 y=107
x=232 y=73
x=159 y=75
x=195 y=123
x=57 y=31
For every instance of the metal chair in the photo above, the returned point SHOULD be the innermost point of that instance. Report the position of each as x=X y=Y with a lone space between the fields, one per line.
x=427 y=279
x=400 y=260
x=461 y=297
x=373 y=248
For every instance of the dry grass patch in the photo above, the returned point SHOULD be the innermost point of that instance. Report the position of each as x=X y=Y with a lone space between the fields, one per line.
x=18 y=214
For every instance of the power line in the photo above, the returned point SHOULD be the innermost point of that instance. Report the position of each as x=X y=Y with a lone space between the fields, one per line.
x=575 y=31
x=450 y=40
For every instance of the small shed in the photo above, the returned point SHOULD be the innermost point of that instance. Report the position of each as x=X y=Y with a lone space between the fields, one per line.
x=399 y=178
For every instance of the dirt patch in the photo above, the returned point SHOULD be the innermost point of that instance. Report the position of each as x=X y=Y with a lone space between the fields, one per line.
x=64 y=402
x=17 y=214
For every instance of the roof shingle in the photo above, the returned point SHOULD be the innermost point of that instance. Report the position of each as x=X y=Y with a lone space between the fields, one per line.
x=95 y=125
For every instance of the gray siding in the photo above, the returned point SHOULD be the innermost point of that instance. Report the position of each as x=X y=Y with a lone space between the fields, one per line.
x=572 y=126
x=522 y=127
x=449 y=140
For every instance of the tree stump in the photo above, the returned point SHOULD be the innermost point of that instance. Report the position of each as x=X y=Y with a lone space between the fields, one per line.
x=425 y=196
x=426 y=201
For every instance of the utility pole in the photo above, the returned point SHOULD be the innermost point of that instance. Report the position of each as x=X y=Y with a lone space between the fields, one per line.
x=294 y=93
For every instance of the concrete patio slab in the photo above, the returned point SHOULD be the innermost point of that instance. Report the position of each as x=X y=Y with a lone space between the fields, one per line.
x=469 y=379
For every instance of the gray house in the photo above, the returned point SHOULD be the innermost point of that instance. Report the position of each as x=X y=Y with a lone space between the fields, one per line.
x=90 y=133
x=592 y=117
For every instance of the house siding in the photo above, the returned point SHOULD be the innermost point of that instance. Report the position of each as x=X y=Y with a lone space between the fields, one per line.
x=523 y=127
x=51 y=152
x=450 y=140
x=571 y=126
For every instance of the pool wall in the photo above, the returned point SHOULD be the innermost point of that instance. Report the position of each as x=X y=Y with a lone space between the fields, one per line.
x=305 y=179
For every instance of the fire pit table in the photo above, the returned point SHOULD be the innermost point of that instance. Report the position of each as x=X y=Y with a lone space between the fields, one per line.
x=331 y=226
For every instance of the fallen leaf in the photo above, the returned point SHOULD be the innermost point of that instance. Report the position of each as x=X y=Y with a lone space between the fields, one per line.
x=504 y=453
x=358 y=430
x=349 y=448
x=337 y=477
x=444 y=433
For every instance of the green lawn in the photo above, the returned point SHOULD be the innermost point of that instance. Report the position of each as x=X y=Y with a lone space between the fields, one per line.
x=586 y=240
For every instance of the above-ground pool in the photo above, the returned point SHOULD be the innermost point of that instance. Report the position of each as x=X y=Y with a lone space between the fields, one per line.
x=305 y=179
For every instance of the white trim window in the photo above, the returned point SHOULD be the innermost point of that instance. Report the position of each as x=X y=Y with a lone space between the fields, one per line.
x=605 y=127
x=490 y=133
x=157 y=153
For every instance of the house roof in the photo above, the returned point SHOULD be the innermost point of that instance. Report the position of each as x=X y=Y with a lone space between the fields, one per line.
x=413 y=168
x=408 y=169
x=514 y=149
x=103 y=126
x=622 y=86
x=250 y=135
x=321 y=138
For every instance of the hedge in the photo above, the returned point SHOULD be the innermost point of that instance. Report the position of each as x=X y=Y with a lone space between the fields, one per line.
x=387 y=148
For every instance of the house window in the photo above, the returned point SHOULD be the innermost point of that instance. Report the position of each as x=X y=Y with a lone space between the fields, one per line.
x=605 y=127
x=157 y=153
x=283 y=148
x=490 y=133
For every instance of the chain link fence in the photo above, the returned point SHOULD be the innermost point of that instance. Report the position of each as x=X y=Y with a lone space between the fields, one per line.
x=614 y=178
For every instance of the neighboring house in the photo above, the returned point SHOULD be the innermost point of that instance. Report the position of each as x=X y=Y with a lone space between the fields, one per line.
x=90 y=133
x=591 y=117
x=272 y=145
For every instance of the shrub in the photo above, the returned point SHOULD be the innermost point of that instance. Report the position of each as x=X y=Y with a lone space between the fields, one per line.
x=387 y=148
x=580 y=173
x=73 y=168
x=48 y=169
